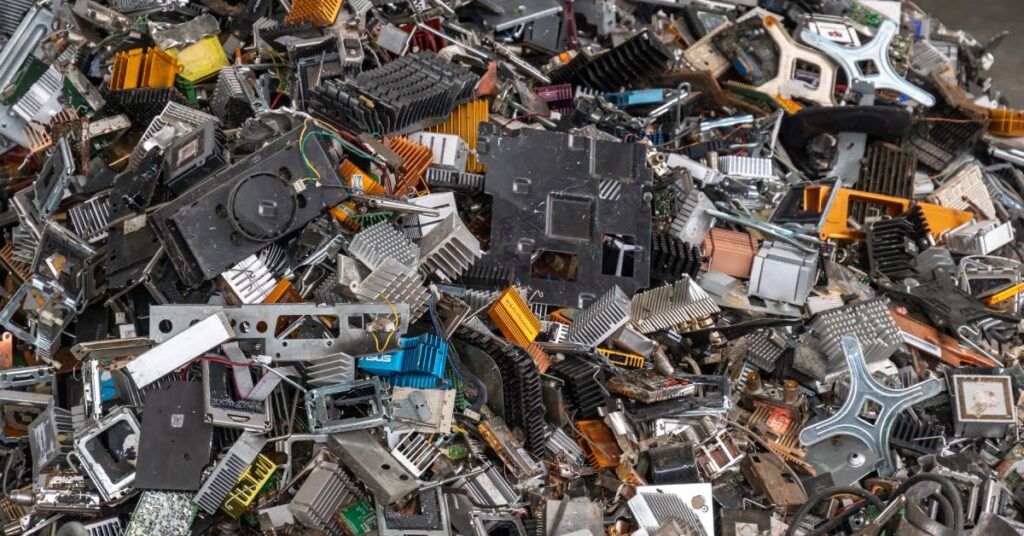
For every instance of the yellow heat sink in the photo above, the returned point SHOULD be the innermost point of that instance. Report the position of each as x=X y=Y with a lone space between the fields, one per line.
x=622 y=359
x=463 y=122
x=343 y=213
x=248 y=486
x=137 y=68
x=21 y=271
x=1009 y=123
x=415 y=159
x=127 y=69
x=317 y=12
x=360 y=180
x=514 y=318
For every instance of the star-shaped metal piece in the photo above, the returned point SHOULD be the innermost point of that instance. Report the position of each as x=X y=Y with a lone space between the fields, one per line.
x=854 y=59
x=864 y=388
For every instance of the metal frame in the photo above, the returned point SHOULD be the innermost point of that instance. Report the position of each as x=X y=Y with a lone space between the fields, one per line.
x=247 y=320
x=875 y=51
x=108 y=489
x=863 y=387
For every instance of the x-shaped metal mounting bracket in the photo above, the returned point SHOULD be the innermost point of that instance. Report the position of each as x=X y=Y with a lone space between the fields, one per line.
x=853 y=59
x=863 y=388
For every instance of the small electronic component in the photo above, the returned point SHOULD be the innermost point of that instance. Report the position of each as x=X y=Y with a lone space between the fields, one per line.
x=983 y=406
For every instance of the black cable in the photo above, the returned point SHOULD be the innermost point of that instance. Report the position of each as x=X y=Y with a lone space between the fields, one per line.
x=828 y=527
x=813 y=500
x=948 y=489
x=948 y=513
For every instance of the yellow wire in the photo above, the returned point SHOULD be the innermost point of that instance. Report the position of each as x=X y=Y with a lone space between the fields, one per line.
x=387 y=341
x=302 y=150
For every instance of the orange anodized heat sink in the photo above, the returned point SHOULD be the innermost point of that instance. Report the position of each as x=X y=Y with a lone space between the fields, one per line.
x=540 y=357
x=360 y=180
x=463 y=122
x=137 y=68
x=598 y=442
x=1008 y=123
x=317 y=12
x=415 y=160
x=514 y=319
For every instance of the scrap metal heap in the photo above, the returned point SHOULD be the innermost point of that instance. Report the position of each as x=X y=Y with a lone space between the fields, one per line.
x=480 y=267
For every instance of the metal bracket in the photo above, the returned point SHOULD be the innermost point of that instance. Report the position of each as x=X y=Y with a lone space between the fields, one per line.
x=876 y=52
x=791 y=52
x=864 y=388
x=260 y=321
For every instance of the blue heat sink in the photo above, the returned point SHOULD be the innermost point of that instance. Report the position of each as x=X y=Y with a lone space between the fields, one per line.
x=425 y=355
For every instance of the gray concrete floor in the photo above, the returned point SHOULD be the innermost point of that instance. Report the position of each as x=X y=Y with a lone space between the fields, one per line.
x=984 y=19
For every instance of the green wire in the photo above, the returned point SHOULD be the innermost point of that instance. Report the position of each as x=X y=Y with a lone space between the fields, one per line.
x=344 y=143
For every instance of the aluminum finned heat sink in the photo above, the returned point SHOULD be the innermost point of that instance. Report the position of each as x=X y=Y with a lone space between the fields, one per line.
x=326 y=488
x=680 y=303
x=602 y=318
x=449 y=249
x=392 y=282
x=376 y=244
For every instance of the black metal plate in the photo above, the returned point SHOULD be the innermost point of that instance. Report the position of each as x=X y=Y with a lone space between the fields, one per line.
x=176 y=441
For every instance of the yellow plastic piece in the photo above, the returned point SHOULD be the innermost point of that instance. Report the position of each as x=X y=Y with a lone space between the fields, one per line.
x=463 y=122
x=1002 y=296
x=836 y=223
x=201 y=59
x=1009 y=123
x=622 y=359
x=514 y=319
x=317 y=12
x=248 y=486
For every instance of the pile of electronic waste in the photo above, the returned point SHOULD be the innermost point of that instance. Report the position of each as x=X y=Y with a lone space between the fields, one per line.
x=481 y=267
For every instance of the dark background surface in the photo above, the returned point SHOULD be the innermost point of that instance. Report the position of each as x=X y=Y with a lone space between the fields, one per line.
x=984 y=19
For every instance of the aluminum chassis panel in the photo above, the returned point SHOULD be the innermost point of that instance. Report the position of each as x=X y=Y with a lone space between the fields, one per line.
x=373 y=465
x=247 y=318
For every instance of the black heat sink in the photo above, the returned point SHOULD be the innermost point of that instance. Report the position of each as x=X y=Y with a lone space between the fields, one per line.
x=143 y=104
x=487 y=277
x=938 y=142
x=892 y=247
x=622 y=66
x=408 y=94
x=583 y=390
x=888 y=169
x=671 y=258
x=520 y=386
x=908 y=434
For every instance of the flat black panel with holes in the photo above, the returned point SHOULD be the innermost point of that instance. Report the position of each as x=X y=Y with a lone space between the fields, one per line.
x=241 y=209
x=557 y=197
x=175 y=443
